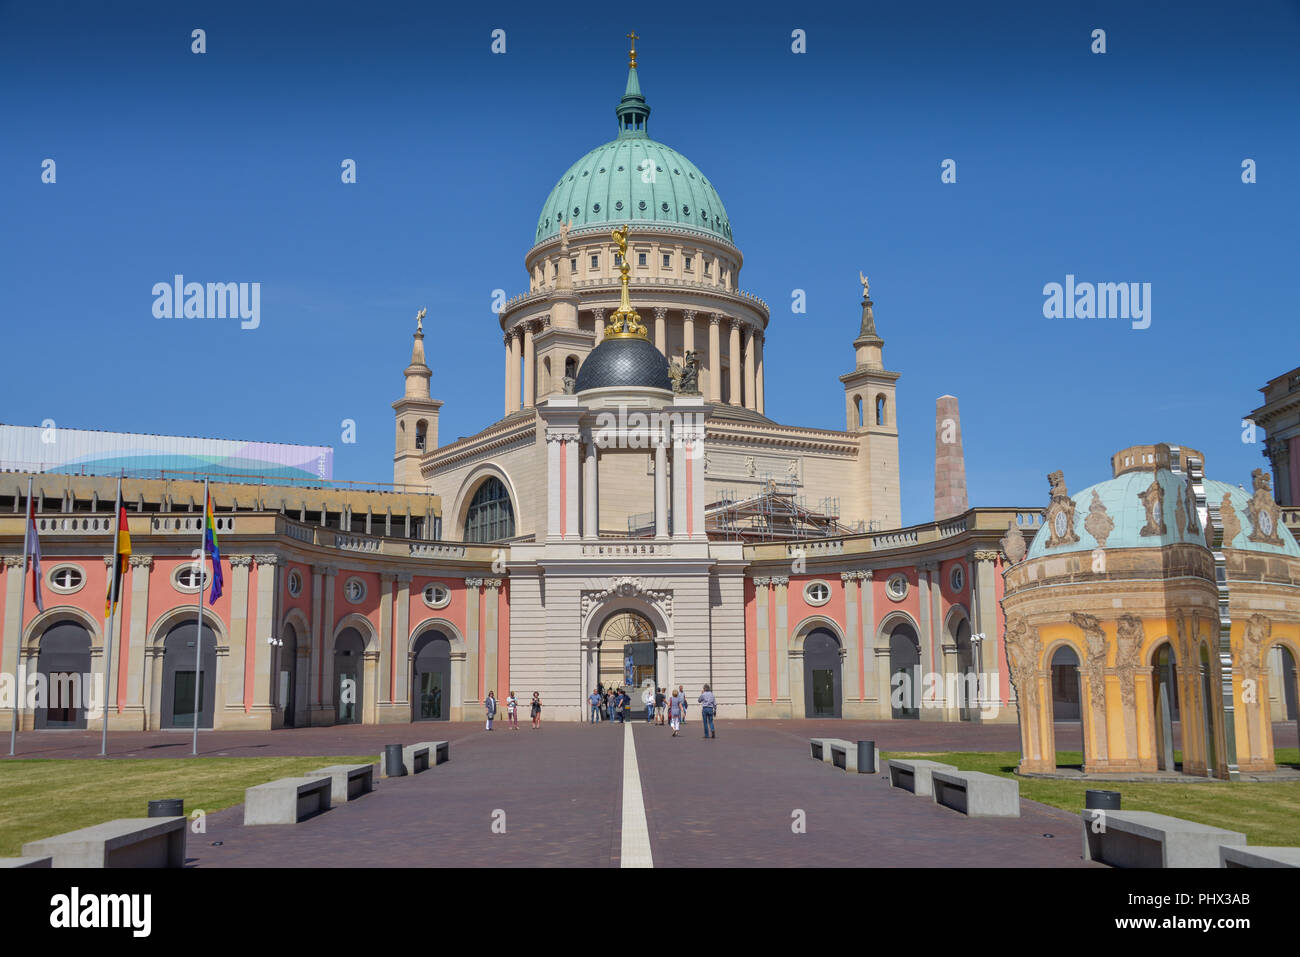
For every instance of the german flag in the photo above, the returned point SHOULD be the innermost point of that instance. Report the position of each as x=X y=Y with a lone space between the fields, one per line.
x=123 y=553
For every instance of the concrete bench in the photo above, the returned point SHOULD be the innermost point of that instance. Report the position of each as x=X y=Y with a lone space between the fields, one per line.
x=975 y=793
x=844 y=754
x=913 y=775
x=350 y=780
x=1238 y=856
x=287 y=801
x=1148 y=839
x=127 y=842
x=420 y=757
x=25 y=862
x=821 y=748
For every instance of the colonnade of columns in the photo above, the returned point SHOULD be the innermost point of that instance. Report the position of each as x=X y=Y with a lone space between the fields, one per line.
x=573 y=453
x=744 y=356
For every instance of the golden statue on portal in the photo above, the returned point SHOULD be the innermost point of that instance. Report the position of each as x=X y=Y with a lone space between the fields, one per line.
x=624 y=323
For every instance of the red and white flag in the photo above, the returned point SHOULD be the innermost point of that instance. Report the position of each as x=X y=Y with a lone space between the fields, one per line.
x=34 y=555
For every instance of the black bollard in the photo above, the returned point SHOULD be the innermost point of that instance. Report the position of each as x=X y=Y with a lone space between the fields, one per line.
x=866 y=757
x=167 y=807
x=1101 y=800
x=393 y=767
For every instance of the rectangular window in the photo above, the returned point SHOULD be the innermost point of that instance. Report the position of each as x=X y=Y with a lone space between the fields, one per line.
x=595 y=262
x=640 y=259
x=668 y=261
x=573 y=265
x=688 y=263
x=706 y=267
x=555 y=270
x=618 y=260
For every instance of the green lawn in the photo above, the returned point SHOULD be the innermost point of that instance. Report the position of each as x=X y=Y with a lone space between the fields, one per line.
x=41 y=798
x=1268 y=813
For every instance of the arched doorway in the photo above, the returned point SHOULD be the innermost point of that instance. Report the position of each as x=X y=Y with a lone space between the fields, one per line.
x=967 y=690
x=1210 y=707
x=1164 y=694
x=822 y=680
x=348 y=676
x=1291 y=709
x=179 y=677
x=63 y=660
x=431 y=678
x=1066 y=705
x=288 y=672
x=627 y=652
x=904 y=672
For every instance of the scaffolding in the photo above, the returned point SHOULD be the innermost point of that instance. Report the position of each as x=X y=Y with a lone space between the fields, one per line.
x=776 y=513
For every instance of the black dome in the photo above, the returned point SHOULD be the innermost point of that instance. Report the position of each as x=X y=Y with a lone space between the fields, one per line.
x=626 y=363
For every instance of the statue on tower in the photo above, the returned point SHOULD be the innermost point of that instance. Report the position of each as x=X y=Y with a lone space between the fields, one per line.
x=419 y=322
x=564 y=236
x=866 y=288
x=625 y=322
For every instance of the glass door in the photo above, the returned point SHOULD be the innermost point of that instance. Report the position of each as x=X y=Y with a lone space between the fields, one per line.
x=183 y=699
x=823 y=682
x=430 y=696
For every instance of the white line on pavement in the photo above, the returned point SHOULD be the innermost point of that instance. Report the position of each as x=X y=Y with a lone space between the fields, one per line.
x=635 y=851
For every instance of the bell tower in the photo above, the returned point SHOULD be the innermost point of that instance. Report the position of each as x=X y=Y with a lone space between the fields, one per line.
x=869 y=393
x=416 y=413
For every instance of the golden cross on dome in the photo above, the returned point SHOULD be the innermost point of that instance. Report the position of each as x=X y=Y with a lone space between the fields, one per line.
x=632 y=54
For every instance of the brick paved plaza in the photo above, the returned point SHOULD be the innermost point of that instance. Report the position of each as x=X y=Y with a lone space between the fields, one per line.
x=724 y=802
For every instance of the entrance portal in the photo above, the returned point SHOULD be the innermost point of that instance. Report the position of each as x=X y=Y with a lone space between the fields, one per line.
x=627 y=652
x=348 y=676
x=64 y=660
x=821 y=675
x=431 y=678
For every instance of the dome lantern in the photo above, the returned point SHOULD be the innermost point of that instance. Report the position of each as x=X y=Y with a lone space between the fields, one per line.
x=632 y=110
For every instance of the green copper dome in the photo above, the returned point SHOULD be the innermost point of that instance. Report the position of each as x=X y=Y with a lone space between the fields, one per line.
x=635 y=180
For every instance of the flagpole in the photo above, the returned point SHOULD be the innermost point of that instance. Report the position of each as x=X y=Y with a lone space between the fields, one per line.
x=198 y=636
x=22 y=607
x=113 y=599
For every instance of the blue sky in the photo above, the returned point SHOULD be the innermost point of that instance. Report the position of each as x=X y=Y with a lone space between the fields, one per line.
x=225 y=167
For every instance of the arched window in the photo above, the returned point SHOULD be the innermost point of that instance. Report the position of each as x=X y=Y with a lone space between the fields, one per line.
x=880 y=410
x=421 y=428
x=490 y=517
x=857 y=404
x=571 y=367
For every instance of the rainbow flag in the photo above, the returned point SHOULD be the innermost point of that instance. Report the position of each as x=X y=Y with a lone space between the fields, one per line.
x=210 y=546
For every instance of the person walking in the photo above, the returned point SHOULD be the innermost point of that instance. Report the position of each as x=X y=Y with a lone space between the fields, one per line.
x=512 y=711
x=604 y=706
x=490 y=706
x=708 y=708
x=649 y=699
x=594 y=700
x=681 y=693
x=536 y=709
x=675 y=712
x=660 y=700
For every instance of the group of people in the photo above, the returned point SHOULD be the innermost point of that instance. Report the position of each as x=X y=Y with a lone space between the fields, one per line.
x=661 y=705
x=512 y=710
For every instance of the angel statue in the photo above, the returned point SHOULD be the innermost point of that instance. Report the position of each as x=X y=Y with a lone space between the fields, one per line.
x=620 y=237
x=564 y=235
x=866 y=289
x=419 y=322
